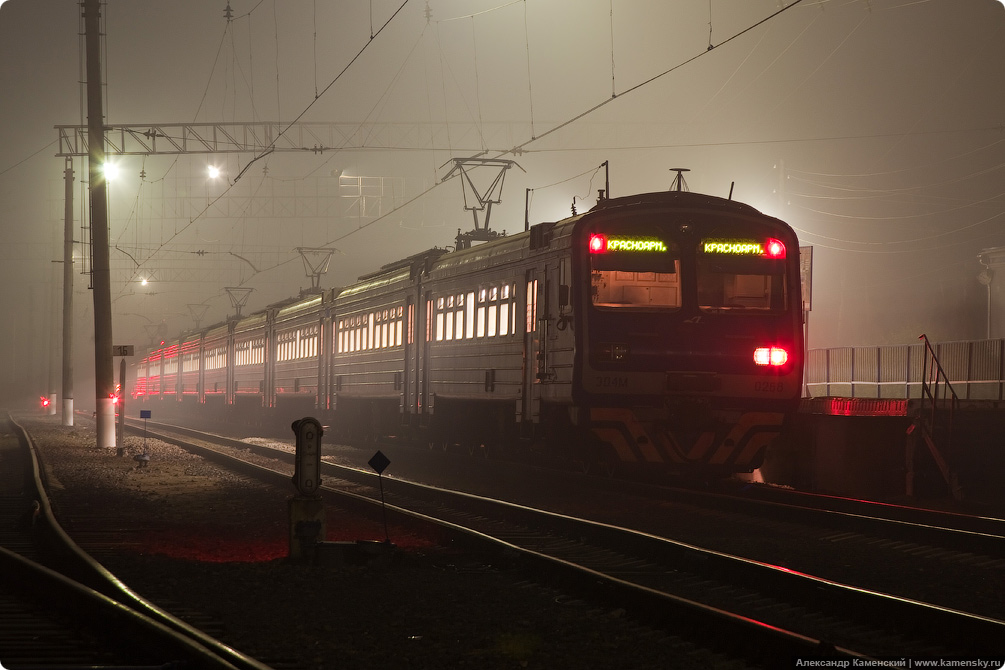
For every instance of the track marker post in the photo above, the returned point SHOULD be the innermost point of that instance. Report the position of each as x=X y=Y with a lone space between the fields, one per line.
x=306 y=509
x=379 y=463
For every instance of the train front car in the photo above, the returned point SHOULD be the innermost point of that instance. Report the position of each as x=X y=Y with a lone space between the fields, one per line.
x=690 y=354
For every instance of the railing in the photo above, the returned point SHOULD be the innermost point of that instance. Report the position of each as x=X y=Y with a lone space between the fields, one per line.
x=937 y=376
x=939 y=403
x=976 y=370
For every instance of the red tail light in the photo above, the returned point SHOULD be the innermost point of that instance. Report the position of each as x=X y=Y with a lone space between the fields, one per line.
x=774 y=248
x=771 y=356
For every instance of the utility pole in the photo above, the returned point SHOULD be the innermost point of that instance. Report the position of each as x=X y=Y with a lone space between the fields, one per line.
x=67 y=390
x=104 y=377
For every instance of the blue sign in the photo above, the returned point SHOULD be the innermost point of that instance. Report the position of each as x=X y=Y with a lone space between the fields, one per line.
x=144 y=414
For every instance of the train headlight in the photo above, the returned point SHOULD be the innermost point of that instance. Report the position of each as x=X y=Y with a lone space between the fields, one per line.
x=771 y=356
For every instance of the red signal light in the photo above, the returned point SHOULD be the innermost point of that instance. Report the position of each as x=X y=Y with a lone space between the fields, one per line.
x=45 y=401
x=598 y=244
x=114 y=398
x=771 y=356
x=774 y=248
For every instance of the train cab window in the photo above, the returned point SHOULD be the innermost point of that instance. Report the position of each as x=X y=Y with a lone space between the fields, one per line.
x=741 y=276
x=634 y=271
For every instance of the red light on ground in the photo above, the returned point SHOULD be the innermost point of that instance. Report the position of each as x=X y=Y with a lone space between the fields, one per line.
x=775 y=248
x=771 y=356
x=598 y=244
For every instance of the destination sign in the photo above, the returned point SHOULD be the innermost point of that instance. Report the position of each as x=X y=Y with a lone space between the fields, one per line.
x=772 y=248
x=600 y=244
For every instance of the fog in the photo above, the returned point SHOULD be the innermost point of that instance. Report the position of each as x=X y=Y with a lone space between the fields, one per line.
x=874 y=127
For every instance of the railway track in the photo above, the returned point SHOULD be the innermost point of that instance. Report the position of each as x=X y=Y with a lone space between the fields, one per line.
x=748 y=603
x=61 y=609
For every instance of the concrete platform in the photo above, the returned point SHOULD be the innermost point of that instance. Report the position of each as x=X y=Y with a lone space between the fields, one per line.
x=873 y=448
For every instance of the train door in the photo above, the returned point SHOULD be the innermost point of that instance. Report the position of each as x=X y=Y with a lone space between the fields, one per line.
x=409 y=365
x=530 y=409
x=422 y=343
x=325 y=339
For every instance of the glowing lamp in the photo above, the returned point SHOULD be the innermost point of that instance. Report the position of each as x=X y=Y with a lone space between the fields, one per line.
x=598 y=244
x=770 y=356
x=774 y=248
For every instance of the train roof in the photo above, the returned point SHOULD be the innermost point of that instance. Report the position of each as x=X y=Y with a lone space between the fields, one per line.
x=677 y=198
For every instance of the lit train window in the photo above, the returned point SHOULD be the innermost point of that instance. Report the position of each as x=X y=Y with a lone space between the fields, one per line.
x=634 y=270
x=493 y=308
x=531 y=305
x=469 y=316
x=741 y=275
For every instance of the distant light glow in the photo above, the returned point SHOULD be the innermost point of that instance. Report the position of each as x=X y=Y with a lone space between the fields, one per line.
x=214 y=172
x=111 y=171
x=144 y=281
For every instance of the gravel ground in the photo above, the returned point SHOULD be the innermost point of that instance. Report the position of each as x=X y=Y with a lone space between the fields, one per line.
x=207 y=543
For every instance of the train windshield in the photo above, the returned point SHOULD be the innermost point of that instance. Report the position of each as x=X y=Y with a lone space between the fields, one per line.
x=738 y=274
x=640 y=271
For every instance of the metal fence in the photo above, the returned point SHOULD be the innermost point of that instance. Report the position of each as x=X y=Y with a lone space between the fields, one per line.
x=976 y=370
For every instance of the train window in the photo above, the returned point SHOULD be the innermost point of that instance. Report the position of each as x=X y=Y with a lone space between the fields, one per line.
x=741 y=276
x=411 y=319
x=613 y=289
x=531 y=305
x=493 y=309
x=469 y=315
x=639 y=271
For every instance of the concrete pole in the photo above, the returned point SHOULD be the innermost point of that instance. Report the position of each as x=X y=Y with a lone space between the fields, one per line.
x=104 y=375
x=67 y=390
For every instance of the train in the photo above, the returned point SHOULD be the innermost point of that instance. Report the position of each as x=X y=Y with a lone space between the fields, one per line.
x=658 y=332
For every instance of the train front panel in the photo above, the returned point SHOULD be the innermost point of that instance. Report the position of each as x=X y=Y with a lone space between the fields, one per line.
x=689 y=351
